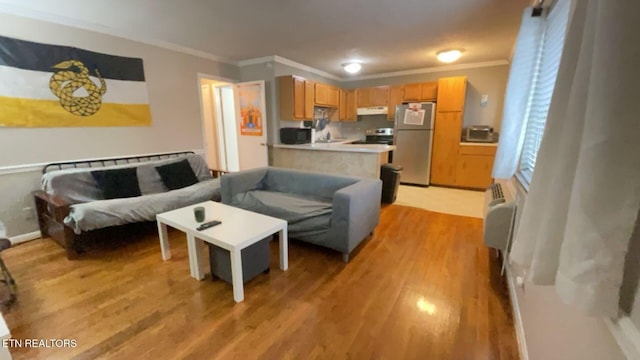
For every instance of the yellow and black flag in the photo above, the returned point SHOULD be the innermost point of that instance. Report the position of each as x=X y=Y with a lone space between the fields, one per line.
x=45 y=85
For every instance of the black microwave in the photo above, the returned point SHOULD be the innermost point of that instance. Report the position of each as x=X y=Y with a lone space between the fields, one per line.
x=293 y=136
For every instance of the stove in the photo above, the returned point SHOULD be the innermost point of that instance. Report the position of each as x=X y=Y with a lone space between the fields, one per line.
x=378 y=136
x=381 y=136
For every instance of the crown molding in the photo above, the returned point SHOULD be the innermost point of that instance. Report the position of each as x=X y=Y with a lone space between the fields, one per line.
x=17 y=10
x=284 y=61
x=429 y=70
x=288 y=62
x=255 y=61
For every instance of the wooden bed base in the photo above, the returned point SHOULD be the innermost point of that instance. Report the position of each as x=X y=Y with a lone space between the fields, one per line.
x=52 y=210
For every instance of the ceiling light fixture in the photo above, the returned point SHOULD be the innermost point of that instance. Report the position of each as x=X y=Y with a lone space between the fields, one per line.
x=352 y=67
x=449 y=56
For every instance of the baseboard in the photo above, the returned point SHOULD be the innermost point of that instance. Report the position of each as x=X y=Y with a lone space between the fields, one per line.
x=25 y=237
x=626 y=335
x=517 y=317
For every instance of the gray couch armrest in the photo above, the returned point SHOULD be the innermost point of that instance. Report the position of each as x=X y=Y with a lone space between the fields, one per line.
x=240 y=182
x=356 y=212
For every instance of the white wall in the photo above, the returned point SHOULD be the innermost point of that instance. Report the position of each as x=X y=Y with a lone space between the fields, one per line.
x=554 y=330
x=172 y=85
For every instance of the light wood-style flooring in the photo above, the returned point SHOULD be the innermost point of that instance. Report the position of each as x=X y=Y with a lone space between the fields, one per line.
x=423 y=287
x=443 y=200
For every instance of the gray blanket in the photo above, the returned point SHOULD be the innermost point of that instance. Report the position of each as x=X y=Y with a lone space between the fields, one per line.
x=103 y=213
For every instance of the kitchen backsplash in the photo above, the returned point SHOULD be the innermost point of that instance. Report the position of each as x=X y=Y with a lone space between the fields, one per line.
x=344 y=130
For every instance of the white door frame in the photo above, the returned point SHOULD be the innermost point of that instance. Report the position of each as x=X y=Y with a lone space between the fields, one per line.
x=199 y=78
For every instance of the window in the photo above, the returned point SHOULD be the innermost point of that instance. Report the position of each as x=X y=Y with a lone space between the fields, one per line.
x=545 y=74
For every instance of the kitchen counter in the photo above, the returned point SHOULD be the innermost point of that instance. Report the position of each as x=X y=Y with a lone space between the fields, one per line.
x=467 y=143
x=339 y=157
x=345 y=146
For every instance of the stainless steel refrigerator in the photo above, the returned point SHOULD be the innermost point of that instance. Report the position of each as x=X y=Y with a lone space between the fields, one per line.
x=413 y=138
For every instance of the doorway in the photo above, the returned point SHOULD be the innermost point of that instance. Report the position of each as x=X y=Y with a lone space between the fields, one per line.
x=233 y=123
x=218 y=124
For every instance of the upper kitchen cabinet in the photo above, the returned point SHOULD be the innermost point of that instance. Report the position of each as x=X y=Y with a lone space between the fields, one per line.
x=395 y=99
x=326 y=95
x=347 y=105
x=451 y=93
x=373 y=96
x=427 y=91
x=296 y=98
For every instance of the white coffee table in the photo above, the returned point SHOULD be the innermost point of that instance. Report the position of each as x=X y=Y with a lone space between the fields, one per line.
x=238 y=230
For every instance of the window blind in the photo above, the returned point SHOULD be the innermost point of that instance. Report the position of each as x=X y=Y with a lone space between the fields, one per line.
x=545 y=75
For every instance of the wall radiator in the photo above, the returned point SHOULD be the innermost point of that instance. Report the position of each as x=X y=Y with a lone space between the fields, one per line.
x=499 y=217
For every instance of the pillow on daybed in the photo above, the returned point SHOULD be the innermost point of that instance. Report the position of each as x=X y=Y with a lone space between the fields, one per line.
x=177 y=175
x=117 y=183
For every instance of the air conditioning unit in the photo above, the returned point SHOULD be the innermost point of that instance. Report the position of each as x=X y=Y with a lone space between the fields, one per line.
x=499 y=215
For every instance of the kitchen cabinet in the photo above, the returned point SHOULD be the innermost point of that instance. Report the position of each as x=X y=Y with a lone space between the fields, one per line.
x=444 y=155
x=296 y=96
x=451 y=93
x=309 y=99
x=347 y=105
x=474 y=166
x=447 y=132
x=427 y=91
x=326 y=95
x=373 y=96
x=395 y=99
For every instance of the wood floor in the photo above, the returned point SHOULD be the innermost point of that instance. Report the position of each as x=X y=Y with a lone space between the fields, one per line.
x=423 y=287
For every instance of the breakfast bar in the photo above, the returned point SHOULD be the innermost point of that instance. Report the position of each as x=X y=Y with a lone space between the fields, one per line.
x=342 y=158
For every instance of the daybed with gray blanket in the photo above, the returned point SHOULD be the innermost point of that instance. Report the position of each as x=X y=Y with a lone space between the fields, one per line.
x=73 y=202
x=336 y=212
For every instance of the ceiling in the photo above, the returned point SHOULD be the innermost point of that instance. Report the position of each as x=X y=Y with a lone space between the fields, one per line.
x=385 y=35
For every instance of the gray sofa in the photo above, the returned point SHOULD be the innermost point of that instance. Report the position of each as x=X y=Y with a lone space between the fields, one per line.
x=336 y=212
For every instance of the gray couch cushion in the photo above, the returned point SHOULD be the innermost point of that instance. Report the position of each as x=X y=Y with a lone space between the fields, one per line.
x=308 y=184
x=304 y=215
x=103 y=213
x=78 y=186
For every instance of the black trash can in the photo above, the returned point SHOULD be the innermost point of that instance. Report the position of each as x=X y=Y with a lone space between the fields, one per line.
x=390 y=176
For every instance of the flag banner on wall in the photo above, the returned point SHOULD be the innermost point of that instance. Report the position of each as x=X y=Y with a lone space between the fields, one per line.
x=44 y=85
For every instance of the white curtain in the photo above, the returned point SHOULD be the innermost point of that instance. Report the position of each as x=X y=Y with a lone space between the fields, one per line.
x=517 y=96
x=585 y=192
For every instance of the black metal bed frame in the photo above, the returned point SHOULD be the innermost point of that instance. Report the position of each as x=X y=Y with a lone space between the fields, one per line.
x=52 y=210
x=78 y=164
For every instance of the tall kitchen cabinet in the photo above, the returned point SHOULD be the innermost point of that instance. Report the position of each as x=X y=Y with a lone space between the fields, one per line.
x=297 y=97
x=447 y=130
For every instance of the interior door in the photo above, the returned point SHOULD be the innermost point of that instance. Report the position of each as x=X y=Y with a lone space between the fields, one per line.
x=251 y=118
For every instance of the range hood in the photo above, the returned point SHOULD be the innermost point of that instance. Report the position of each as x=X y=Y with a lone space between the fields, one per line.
x=373 y=110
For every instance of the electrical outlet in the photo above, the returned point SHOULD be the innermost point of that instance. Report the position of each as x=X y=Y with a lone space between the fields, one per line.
x=28 y=213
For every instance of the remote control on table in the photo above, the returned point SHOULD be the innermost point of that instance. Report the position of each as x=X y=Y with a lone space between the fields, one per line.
x=208 y=225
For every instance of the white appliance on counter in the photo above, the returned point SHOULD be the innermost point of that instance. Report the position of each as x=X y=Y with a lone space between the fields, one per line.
x=413 y=138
